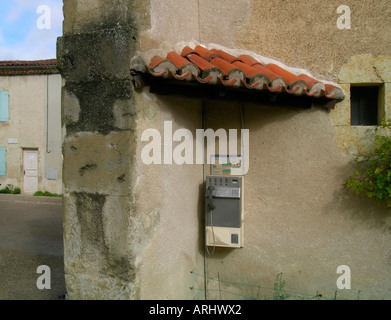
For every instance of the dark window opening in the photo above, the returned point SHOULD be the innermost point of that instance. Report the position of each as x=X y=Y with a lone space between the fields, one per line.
x=365 y=105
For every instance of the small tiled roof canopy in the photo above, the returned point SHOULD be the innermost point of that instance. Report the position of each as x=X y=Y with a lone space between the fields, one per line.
x=218 y=67
x=22 y=67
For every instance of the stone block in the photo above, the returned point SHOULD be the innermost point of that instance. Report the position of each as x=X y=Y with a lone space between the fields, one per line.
x=96 y=163
x=96 y=55
x=360 y=69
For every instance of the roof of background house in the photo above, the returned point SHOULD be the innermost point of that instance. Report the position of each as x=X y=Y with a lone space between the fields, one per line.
x=21 y=67
x=216 y=65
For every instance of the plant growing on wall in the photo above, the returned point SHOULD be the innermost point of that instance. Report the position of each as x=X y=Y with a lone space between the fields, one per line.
x=374 y=176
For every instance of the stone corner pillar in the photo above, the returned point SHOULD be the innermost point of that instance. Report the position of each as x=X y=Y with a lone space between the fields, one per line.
x=98 y=120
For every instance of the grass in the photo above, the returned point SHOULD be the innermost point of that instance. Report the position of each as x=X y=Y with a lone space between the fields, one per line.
x=7 y=190
x=46 y=194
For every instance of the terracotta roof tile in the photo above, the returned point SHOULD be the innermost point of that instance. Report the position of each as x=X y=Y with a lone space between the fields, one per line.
x=216 y=66
x=33 y=67
x=248 y=60
x=226 y=56
x=224 y=66
x=178 y=60
x=205 y=53
x=155 y=62
x=28 y=62
x=199 y=61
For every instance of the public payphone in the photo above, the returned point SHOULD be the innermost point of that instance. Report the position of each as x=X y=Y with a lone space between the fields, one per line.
x=224 y=211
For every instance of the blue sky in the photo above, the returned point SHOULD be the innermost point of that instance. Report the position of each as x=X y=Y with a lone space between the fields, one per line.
x=25 y=34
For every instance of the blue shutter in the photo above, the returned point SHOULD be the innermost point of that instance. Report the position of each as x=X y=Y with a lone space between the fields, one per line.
x=2 y=162
x=4 y=105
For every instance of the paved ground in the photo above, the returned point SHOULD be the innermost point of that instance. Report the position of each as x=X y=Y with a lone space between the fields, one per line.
x=30 y=236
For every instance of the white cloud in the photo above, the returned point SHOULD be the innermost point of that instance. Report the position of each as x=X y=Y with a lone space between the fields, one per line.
x=35 y=44
x=38 y=44
x=18 y=7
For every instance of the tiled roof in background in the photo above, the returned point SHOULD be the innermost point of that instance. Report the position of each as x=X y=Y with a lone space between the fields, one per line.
x=21 y=67
x=216 y=66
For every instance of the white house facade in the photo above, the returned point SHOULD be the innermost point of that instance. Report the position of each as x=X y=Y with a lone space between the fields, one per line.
x=30 y=126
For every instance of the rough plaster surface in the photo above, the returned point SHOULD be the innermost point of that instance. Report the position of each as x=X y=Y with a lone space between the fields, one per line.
x=222 y=20
x=136 y=233
x=170 y=200
x=202 y=20
x=299 y=220
x=85 y=16
x=177 y=21
x=305 y=34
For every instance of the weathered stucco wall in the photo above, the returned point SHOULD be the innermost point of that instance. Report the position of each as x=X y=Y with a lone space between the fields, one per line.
x=299 y=219
x=128 y=230
x=135 y=231
x=170 y=205
x=304 y=33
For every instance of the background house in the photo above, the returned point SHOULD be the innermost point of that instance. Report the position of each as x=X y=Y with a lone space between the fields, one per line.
x=136 y=231
x=30 y=126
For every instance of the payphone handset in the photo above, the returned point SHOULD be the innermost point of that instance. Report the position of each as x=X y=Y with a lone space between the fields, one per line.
x=211 y=205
